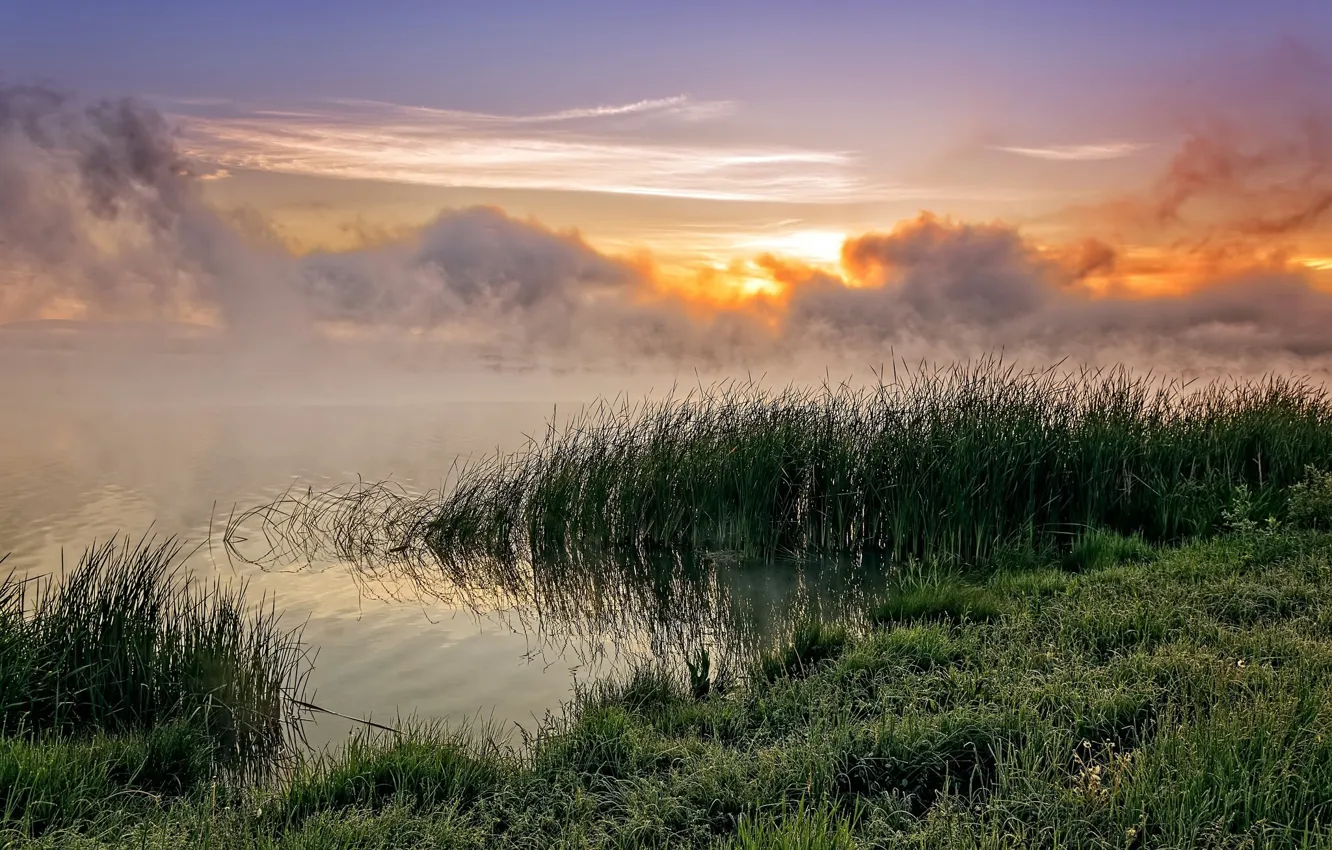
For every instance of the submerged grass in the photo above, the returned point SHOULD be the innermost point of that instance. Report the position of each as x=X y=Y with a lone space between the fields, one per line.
x=957 y=462
x=1162 y=697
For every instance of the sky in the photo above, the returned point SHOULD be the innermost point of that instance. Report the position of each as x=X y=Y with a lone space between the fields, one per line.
x=723 y=151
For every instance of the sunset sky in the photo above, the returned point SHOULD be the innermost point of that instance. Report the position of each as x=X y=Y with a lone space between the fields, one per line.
x=730 y=126
x=718 y=146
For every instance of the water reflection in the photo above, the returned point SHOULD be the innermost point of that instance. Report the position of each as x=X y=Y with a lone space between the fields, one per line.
x=668 y=605
x=603 y=607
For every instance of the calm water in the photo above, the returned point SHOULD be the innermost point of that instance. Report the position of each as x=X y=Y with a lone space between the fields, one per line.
x=69 y=474
x=75 y=468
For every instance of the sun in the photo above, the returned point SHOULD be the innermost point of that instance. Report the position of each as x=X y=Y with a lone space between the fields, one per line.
x=821 y=248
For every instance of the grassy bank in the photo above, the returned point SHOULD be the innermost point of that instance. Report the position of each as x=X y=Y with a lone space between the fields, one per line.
x=1109 y=626
x=951 y=463
x=1125 y=695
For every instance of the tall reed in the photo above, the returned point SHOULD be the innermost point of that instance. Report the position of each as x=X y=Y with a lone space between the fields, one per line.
x=124 y=641
x=953 y=462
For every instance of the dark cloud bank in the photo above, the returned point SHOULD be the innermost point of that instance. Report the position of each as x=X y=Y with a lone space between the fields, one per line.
x=101 y=216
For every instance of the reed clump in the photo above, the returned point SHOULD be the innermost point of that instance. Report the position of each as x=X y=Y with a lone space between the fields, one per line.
x=125 y=643
x=956 y=462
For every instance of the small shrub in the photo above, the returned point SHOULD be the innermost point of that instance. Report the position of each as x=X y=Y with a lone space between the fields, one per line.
x=1310 y=502
x=1238 y=516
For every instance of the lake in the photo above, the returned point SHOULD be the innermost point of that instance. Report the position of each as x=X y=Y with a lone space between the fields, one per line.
x=82 y=459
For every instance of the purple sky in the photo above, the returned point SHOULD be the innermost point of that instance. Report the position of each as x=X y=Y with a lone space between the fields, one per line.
x=837 y=115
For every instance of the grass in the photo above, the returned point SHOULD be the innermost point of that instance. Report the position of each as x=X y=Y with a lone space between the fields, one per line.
x=123 y=643
x=799 y=827
x=812 y=644
x=1098 y=548
x=49 y=782
x=938 y=601
x=959 y=462
x=1110 y=626
x=1151 y=697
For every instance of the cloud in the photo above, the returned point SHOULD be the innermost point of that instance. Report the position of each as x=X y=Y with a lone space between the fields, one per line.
x=597 y=149
x=102 y=219
x=478 y=281
x=967 y=288
x=679 y=106
x=1079 y=153
x=1256 y=183
x=931 y=286
x=465 y=265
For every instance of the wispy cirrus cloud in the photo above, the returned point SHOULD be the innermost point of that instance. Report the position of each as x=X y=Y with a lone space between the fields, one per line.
x=1078 y=153
x=678 y=107
x=614 y=149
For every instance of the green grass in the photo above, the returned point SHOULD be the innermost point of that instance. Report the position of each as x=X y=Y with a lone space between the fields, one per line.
x=49 y=782
x=812 y=644
x=1099 y=548
x=955 y=463
x=942 y=601
x=1171 y=697
x=124 y=642
x=1109 y=626
x=799 y=827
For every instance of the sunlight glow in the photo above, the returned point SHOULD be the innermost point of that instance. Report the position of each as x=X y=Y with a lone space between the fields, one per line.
x=749 y=286
x=816 y=247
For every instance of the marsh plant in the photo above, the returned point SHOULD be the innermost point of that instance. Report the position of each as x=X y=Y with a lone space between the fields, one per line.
x=125 y=642
x=956 y=463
